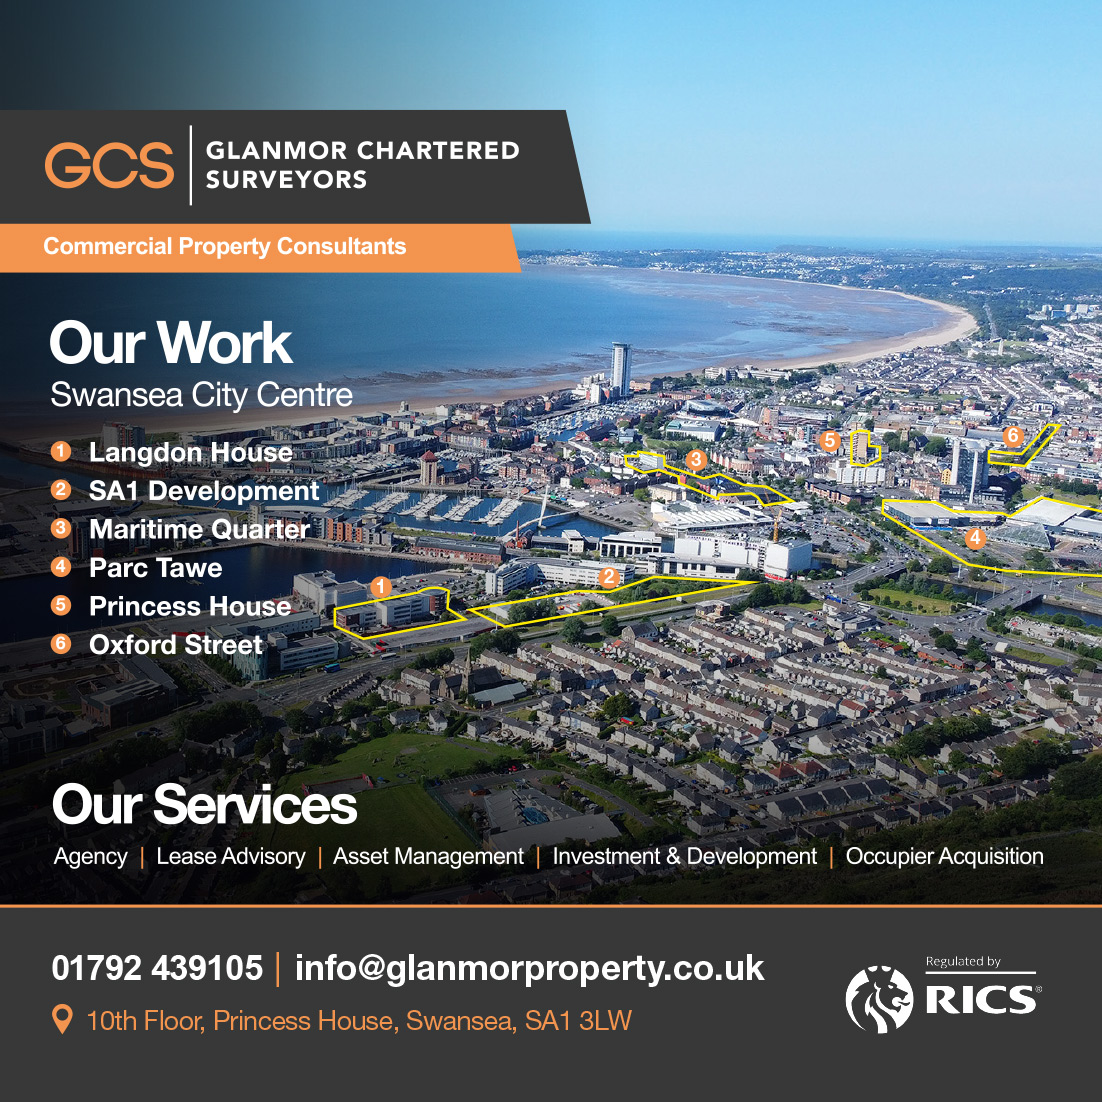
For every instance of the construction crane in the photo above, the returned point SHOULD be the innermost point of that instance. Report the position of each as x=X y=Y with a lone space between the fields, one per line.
x=777 y=524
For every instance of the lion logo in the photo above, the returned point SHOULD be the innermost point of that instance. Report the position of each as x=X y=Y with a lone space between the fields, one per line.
x=879 y=999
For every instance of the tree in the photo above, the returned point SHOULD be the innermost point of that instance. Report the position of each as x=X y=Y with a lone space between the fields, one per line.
x=642 y=494
x=277 y=764
x=610 y=625
x=577 y=482
x=433 y=659
x=573 y=631
x=619 y=704
x=936 y=445
x=958 y=759
x=1037 y=560
x=1079 y=780
x=941 y=564
x=945 y=641
x=531 y=610
x=224 y=718
x=504 y=640
x=295 y=718
x=350 y=711
x=870 y=424
x=1031 y=758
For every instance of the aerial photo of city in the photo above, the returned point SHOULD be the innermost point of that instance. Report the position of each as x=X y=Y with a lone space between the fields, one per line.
x=650 y=636
x=743 y=547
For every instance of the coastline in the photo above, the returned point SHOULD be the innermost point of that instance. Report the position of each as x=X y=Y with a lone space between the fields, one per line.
x=957 y=323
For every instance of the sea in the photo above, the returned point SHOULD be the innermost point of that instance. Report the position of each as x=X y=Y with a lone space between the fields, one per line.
x=410 y=337
x=389 y=338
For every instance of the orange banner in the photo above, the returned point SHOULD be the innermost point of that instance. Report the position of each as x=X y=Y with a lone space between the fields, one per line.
x=257 y=248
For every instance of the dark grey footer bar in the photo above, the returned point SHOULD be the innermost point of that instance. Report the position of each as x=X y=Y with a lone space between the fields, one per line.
x=541 y=1001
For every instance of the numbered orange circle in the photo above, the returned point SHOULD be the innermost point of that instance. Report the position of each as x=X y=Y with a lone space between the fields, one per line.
x=1013 y=436
x=61 y=528
x=609 y=577
x=61 y=605
x=696 y=460
x=381 y=587
x=61 y=489
x=60 y=566
x=60 y=450
x=831 y=440
x=60 y=644
x=975 y=538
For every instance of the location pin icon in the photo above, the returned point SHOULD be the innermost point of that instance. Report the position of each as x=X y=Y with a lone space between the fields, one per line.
x=62 y=1015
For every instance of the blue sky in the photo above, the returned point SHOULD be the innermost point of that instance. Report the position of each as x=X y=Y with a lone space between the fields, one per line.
x=966 y=122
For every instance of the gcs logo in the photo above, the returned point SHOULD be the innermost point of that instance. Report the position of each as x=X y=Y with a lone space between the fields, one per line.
x=72 y=172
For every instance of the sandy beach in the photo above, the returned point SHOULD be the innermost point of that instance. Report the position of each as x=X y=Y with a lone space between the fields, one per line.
x=490 y=388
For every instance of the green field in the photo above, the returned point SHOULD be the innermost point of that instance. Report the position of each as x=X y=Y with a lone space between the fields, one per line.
x=414 y=753
x=1032 y=492
x=405 y=815
x=397 y=813
x=931 y=606
x=1034 y=656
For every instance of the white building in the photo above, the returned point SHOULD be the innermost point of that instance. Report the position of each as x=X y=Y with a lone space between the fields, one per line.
x=621 y=370
x=299 y=654
x=392 y=612
x=322 y=592
x=708 y=556
x=625 y=545
x=565 y=572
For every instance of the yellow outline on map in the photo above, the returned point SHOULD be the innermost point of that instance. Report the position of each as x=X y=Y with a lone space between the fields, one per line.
x=459 y=617
x=878 y=448
x=607 y=608
x=478 y=610
x=1032 y=449
x=987 y=513
x=681 y=475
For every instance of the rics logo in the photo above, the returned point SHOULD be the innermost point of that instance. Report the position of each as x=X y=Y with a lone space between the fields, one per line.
x=879 y=999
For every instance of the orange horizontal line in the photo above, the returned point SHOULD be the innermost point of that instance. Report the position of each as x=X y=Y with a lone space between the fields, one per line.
x=548 y=906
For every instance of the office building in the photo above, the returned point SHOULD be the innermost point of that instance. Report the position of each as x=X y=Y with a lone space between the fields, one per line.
x=621 y=370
